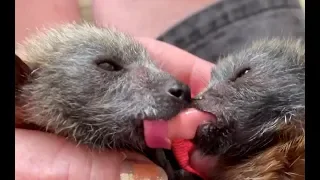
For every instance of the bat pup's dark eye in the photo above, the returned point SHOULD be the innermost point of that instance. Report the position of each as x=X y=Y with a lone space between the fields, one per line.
x=241 y=73
x=109 y=65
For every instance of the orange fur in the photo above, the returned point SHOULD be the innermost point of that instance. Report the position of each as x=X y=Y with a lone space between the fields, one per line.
x=283 y=161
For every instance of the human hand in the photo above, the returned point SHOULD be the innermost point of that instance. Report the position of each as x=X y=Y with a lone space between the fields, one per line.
x=40 y=155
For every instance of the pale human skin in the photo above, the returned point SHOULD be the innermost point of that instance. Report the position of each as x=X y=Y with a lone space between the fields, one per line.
x=41 y=155
x=144 y=17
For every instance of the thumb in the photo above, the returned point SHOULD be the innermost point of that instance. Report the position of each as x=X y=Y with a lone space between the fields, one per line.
x=45 y=156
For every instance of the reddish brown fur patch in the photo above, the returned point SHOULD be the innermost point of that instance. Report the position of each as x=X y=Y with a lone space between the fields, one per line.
x=285 y=160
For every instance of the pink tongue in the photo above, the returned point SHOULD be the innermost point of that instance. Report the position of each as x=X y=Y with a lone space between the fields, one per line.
x=155 y=133
x=159 y=133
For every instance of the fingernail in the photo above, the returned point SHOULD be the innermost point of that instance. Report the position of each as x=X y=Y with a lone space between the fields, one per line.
x=140 y=170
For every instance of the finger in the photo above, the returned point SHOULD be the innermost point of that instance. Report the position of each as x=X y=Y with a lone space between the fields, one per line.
x=52 y=12
x=184 y=66
x=44 y=156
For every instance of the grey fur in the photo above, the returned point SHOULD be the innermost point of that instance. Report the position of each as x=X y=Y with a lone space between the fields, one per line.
x=69 y=94
x=251 y=108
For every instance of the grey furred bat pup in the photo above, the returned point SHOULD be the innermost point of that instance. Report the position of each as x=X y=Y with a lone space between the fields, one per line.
x=258 y=97
x=95 y=86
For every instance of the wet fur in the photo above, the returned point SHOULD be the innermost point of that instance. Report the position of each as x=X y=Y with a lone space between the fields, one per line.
x=259 y=133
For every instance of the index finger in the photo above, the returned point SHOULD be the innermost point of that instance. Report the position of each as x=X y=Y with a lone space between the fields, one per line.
x=184 y=66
